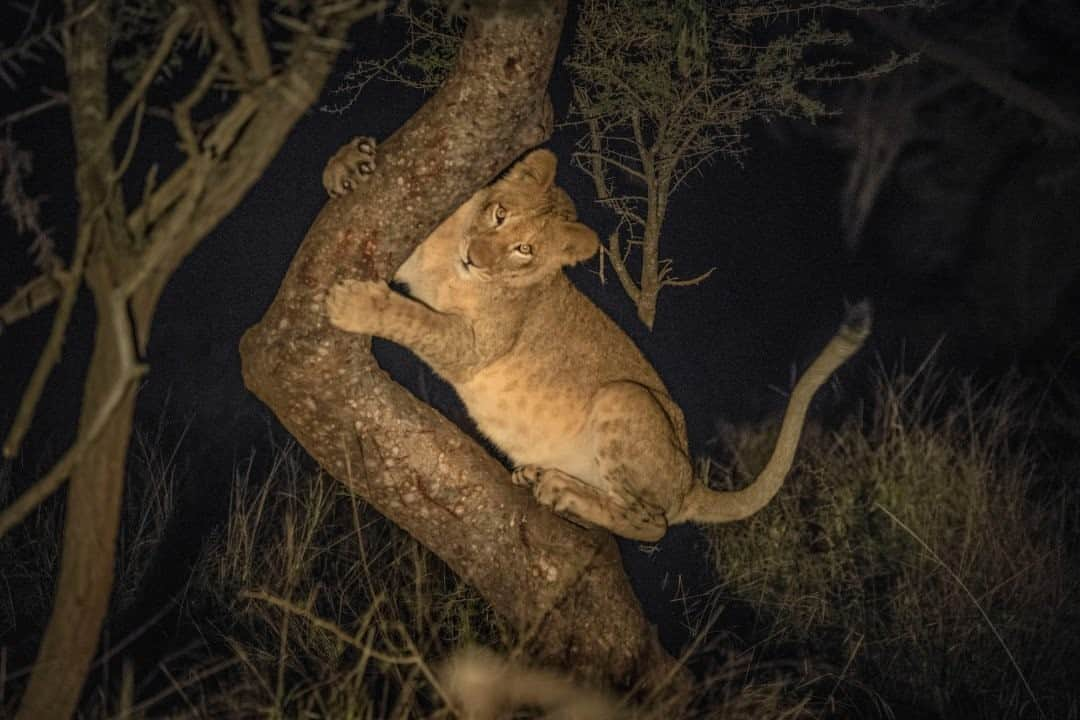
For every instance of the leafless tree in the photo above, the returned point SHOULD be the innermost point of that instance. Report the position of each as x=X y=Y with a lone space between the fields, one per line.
x=229 y=123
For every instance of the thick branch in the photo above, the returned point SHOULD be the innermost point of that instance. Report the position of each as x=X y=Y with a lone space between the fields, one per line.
x=562 y=587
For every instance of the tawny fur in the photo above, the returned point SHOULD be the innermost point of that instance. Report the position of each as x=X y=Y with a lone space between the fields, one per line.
x=547 y=376
x=480 y=685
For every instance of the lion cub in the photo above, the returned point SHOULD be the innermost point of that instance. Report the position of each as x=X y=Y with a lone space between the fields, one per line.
x=547 y=376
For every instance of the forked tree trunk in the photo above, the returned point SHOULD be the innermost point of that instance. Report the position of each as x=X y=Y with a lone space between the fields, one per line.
x=562 y=587
x=95 y=487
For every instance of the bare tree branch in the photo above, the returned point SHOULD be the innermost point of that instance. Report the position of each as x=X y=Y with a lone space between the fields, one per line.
x=617 y=258
x=223 y=41
x=125 y=280
x=172 y=31
x=258 y=55
x=676 y=282
x=50 y=355
x=607 y=160
x=40 y=292
x=127 y=374
x=55 y=99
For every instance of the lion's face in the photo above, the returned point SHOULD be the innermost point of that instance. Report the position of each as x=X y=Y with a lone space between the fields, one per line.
x=515 y=233
x=523 y=229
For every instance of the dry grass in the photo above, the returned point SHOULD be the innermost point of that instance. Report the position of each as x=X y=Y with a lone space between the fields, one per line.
x=923 y=559
x=335 y=612
x=927 y=552
x=306 y=604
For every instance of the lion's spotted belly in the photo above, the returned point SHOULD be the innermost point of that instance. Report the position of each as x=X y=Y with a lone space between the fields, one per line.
x=534 y=426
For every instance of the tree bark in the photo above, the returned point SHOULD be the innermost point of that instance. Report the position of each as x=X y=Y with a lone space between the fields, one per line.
x=96 y=485
x=562 y=587
x=92 y=517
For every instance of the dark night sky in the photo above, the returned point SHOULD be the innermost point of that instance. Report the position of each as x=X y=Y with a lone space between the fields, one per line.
x=770 y=227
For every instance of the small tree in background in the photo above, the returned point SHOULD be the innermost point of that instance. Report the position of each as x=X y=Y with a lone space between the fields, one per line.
x=662 y=87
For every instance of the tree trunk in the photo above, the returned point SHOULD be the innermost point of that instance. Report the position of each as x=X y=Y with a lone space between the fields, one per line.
x=96 y=485
x=562 y=587
x=92 y=516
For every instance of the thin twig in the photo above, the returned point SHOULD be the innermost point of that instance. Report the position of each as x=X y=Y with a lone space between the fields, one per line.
x=50 y=354
x=684 y=282
x=153 y=65
x=19 y=115
x=14 y=513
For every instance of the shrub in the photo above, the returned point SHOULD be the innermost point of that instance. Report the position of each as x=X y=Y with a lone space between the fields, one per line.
x=924 y=550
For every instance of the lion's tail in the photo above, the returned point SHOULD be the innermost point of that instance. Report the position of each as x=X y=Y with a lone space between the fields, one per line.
x=710 y=506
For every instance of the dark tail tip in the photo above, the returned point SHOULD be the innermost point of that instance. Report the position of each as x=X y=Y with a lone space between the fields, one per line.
x=858 y=317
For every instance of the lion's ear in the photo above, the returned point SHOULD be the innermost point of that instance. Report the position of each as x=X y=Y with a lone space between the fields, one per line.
x=538 y=167
x=578 y=242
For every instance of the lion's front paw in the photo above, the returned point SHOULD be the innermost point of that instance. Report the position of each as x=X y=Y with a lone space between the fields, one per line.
x=354 y=305
x=349 y=167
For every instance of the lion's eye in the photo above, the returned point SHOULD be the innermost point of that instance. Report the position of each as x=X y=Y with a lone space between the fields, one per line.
x=523 y=249
x=498 y=213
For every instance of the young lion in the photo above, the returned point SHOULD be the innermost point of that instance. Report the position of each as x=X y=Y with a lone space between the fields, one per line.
x=547 y=376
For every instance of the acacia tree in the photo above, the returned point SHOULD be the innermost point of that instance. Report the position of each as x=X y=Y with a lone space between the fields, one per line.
x=235 y=108
x=662 y=87
x=562 y=587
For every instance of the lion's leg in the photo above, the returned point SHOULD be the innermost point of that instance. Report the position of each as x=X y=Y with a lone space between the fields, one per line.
x=588 y=506
x=639 y=452
x=443 y=341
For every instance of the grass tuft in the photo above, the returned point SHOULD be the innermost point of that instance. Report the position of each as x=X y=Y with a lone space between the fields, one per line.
x=927 y=551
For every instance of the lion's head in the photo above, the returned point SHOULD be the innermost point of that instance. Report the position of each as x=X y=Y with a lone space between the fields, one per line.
x=523 y=228
x=517 y=232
